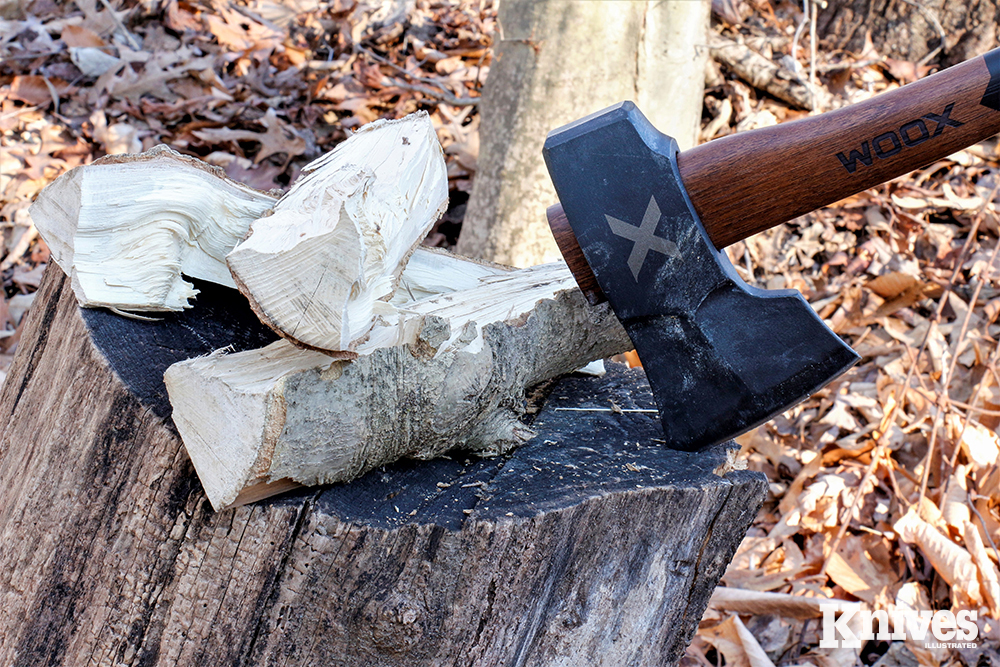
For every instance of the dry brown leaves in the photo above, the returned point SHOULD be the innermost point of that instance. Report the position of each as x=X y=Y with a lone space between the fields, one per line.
x=885 y=486
x=258 y=87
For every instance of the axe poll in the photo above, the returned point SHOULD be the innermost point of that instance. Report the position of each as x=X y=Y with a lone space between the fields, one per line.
x=642 y=226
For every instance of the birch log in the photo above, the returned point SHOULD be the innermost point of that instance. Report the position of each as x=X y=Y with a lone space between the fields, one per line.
x=576 y=549
x=319 y=268
x=449 y=373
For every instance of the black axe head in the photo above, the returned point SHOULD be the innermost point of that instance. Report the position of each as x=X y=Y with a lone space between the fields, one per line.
x=721 y=356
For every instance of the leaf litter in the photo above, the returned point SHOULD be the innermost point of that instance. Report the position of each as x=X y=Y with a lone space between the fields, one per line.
x=884 y=487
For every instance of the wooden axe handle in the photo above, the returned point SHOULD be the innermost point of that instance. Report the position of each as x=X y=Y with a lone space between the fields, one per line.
x=748 y=182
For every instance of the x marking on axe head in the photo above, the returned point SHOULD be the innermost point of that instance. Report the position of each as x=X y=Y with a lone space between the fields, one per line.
x=640 y=224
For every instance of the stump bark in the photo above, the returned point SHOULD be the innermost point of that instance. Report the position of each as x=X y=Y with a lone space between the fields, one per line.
x=590 y=545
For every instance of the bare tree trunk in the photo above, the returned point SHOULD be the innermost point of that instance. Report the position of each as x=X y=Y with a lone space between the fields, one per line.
x=590 y=545
x=557 y=61
x=913 y=30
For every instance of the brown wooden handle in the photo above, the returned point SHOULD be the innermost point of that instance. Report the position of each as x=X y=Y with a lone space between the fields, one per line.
x=748 y=182
x=571 y=252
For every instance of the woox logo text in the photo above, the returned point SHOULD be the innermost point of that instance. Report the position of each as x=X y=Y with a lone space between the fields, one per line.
x=892 y=142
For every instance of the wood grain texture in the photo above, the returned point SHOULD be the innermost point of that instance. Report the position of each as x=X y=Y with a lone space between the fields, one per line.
x=561 y=554
x=748 y=182
x=573 y=254
x=745 y=183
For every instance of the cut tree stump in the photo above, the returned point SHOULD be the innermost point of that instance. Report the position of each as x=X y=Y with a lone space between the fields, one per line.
x=590 y=545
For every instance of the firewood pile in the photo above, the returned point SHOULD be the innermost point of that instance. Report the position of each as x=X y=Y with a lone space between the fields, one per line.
x=885 y=486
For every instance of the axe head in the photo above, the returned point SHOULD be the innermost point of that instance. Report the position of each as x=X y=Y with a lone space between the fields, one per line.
x=721 y=356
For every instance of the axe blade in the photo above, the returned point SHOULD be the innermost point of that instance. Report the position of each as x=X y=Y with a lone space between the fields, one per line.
x=721 y=356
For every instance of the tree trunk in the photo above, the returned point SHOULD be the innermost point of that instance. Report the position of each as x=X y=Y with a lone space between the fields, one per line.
x=907 y=32
x=589 y=545
x=557 y=61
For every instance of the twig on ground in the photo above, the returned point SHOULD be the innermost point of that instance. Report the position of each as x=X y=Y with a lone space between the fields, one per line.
x=982 y=522
x=760 y=72
x=970 y=407
x=959 y=262
x=436 y=92
x=447 y=98
x=889 y=417
x=132 y=41
x=616 y=411
x=931 y=18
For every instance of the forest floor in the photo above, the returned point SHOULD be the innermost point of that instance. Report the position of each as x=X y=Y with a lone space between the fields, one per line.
x=884 y=487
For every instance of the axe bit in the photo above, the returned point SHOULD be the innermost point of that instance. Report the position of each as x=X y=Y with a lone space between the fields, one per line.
x=642 y=225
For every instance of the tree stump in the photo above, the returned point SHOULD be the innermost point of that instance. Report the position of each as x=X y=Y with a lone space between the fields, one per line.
x=589 y=545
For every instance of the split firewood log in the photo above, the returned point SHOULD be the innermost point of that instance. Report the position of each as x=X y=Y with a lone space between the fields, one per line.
x=319 y=267
x=125 y=228
x=449 y=373
x=390 y=350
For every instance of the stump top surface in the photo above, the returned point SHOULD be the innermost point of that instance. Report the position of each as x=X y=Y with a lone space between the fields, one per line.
x=577 y=454
x=141 y=350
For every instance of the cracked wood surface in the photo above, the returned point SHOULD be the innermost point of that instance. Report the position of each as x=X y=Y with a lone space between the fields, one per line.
x=589 y=545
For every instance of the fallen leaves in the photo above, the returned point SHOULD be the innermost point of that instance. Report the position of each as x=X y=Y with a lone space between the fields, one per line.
x=737 y=644
x=951 y=561
x=37 y=90
x=279 y=137
x=884 y=486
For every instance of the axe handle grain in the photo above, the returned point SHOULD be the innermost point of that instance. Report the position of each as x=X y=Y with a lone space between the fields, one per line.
x=571 y=252
x=748 y=182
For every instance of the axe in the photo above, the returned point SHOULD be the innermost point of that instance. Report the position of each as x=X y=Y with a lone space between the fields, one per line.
x=642 y=225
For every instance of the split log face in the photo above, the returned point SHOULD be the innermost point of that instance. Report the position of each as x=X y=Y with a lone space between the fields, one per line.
x=321 y=266
x=125 y=227
x=577 y=548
